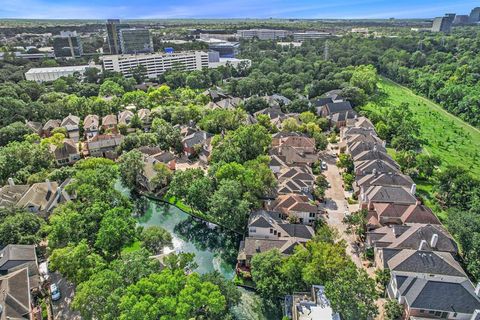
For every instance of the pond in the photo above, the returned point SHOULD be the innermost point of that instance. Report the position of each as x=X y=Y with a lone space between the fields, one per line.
x=215 y=249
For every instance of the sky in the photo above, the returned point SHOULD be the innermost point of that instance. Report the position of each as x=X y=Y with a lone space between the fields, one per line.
x=175 y=9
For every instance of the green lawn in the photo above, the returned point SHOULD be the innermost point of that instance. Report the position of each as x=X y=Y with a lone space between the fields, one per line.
x=444 y=135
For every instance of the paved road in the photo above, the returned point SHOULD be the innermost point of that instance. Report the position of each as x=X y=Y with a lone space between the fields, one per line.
x=337 y=205
x=61 y=308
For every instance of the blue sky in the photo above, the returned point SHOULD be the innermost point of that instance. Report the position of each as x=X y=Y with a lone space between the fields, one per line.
x=164 y=9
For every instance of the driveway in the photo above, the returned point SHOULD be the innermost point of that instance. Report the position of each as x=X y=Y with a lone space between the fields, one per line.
x=61 y=308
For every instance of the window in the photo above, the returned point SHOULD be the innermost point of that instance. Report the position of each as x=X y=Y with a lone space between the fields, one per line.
x=279 y=234
x=312 y=215
x=275 y=232
x=253 y=230
x=271 y=230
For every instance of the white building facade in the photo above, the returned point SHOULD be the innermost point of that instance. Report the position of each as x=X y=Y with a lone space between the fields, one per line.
x=156 y=63
x=51 y=74
x=262 y=34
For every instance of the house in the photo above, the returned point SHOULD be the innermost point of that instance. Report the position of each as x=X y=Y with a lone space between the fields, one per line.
x=340 y=119
x=386 y=194
x=66 y=153
x=49 y=126
x=302 y=143
x=104 y=145
x=216 y=94
x=360 y=122
x=15 y=300
x=430 y=237
x=275 y=114
x=11 y=193
x=144 y=115
x=295 y=206
x=109 y=123
x=375 y=166
x=125 y=117
x=71 y=124
x=19 y=279
x=374 y=155
x=14 y=255
x=382 y=179
x=266 y=231
x=320 y=102
x=359 y=134
x=295 y=180
x=335 y=95
x=293 y=156
x=312 y=305
x=146 y=178
x=276 y=163
x=91 y=126
x=277 y=100
x=196 y=142
x=35 y=127
x=43 y=197
x=432 y=285
x=279 y=137
x=332 y=108
x=358 y=147
x=393 y=213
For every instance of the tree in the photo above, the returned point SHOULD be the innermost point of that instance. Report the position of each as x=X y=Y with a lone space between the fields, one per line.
x=255 y=104
x=117 y=229
x=357 y=223
x=155 y=239
x=167 y=136
x=13 y=132
x=290 y=125
x=131 y=166
x=228 y=206
x=76 y=263
x=220 y=120
x=20 y=227
x=393 y=310
x=366 y=78
x=98 y=297
x=266 y=272
x=426 y=164
x=352 y=293
x=163 y=175
x=111 y=88
x=245 y=143
x=345 y=161
x=171 y=295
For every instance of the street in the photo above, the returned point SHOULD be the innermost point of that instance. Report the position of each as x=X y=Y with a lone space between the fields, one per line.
x=61 y=308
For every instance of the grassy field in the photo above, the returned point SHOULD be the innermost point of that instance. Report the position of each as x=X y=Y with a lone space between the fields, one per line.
x=444 y=135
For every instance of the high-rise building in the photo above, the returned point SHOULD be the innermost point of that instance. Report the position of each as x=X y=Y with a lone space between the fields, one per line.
x=225 y=49
x=156 y=63
x=134 y=41
x=442 y=24
x=262 y=34
x=474 y=15
x=450 y=16
x=461 y=19
x=113 y=35
x=67 y=44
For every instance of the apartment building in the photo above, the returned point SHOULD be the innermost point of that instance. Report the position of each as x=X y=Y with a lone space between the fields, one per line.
x=157 y=63
x=309 y=35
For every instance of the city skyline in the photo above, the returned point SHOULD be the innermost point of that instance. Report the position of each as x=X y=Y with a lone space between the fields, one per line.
x=147 y=9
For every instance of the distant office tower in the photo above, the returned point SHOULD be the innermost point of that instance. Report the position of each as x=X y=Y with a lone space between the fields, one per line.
x=442 y=24
x=156 y=63
x=225 y=49
x=474 y=15
x=135 y=41
x=450 y=16
x=113 y=35
x=262 y=34
x=461 y=19
x=302 y=36
x=67 y=44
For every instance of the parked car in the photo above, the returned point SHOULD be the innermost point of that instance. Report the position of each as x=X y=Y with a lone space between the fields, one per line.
x=346 y=213
x=324 y=165
x=55 y=292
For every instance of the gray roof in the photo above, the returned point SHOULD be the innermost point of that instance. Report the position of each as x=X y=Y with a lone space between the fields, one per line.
x=390 y=194
x=298 y=230
x=195 y=138
x=15 y=297
x=15 y=254
x=447 y=296
x=260 y=223
x=337 y=107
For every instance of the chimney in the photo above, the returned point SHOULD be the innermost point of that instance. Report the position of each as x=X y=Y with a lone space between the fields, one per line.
x=433 y=242
x=257 y=246
x=422 y=246
x=11 y=182
x=413 y=189
x=49 y=189
x=375 y=148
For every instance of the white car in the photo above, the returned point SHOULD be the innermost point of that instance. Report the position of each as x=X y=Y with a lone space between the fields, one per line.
x=346 y=213
x=55 y=292
x=324 y=165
